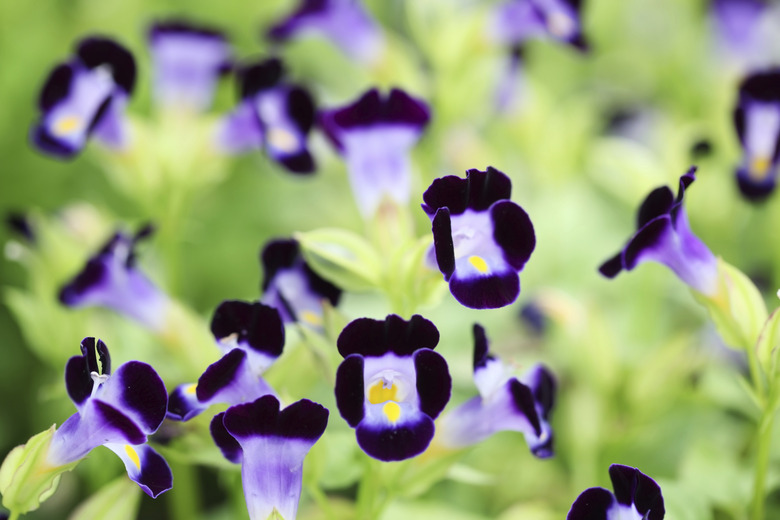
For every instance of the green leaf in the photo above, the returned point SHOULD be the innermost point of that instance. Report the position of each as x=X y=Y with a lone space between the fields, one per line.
x=118 y=500
x=342 y=257
x=26 y=477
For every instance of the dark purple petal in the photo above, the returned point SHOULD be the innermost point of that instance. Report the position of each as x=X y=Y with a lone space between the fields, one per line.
x=592 y=504
x=370 y=337
x=228 y=445
x=183 y=403
x=513 y=231
x=92 y=275
x=478 y=191
x=276 y=255
x=443 y=245
x=401 y=108
x=399 y=442
x=109 y=417
x=434 y=383
x=486 y=292
x=612 y=267
x=145 y=467
x=523 y=399
x=634 y=487
x=762 y=86
x=300 y=108
x=303 y=420
x=96 y=51
x=658 y=203
x=350 y=394
x=756 y=190
x=221 y=374
x=57 y=87
x=136 y=389
x=256 y=77
x=650 y=236
x=256 y=324
x=287 y=27
x=544 y=388
x=481 y=349
x=96 y=355
x=535 y=318
x=301 y=162
x=78 y=381
x=365 y=111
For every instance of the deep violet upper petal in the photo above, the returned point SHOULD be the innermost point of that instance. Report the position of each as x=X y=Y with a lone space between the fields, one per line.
x=276 y=255
x=370 y=337
x=645 y=238
x=77 y=380
x=478 y=191
x=96 y=356
x=400 y=107
x=303 y=419
x=544 y=388
x=513 y=231
x=300 y=107
x=443 y=245
x=434 y=383
x=143 y=392
x=350 y=394
x=523 y=399
x=762 y=86
x=97 y=51
x=634 y=487
x=56 y=87
x=259 y=325
x=220 y=374
x=481 y=349
x=612 y=267
x=259 y=76
x=592 y=504
x=657 y=203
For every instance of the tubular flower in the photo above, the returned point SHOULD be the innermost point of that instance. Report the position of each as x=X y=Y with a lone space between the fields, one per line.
x=85 y=96
x=636 y=497
x=116 y=410
x=757 y=120
x=290 y=285
x=663 y=235
x=187 y=62
x=343 y=22
x=504 y=403
x=391 y=385
x=270 y=445
x=375 y=135
x=481 y=239
x=110 y=279
x=519 y=20
x=273 y=115
x=251 y=337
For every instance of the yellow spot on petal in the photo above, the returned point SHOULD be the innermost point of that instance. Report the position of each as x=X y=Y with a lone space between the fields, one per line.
x=191 y=389
x=67 y=125
x=759 y=167
x=379 y=393
x=133 y=455
x=282 y=139
x=392 y=411
x=312 y=318
x=479 y=264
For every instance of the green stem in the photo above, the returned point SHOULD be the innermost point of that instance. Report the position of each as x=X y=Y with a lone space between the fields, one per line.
x=14 y=515
x=368 y=491
x=764 y=444
x=756 y=375
x=322 y=502
x=183 y=499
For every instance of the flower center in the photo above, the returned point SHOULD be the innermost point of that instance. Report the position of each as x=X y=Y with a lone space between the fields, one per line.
x=97 y=379
x=479 y=264
x=133 y=455
x=759 y=167
x=282 y=139
x=68 y=125
x=383 y=390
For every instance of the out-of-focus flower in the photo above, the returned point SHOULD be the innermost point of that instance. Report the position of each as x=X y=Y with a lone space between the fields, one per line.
x=636 y=497
x=290 y=285
x=738 y=31
x=20 y=224
x=110 y=279
x=270 y=445
x=116 y=410
x=663 y=235
x=85 y=96
x=481 y=239
x=273 y=115
x=343 y=22
x=391 y=385
x=757 y=120
x=251 y=337
x=520 y=20
x=504 y=403
x=187 y=61
x=375 y=135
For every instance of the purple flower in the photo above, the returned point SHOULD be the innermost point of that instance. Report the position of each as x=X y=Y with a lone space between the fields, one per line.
x=520 y=20
x=663 y=235
x=187 y=62
x=375 y=134
x=85 y=96
x=391 y=385
x=251 y=337
x=290 y=285
x=344 y=22
x=110 y=279
x=270 y=445
x=481 y=239
x=757 y=120
x=504 y=403
x=272 y=115
x=738 y=29
x=116 y=410
x=636 y=497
